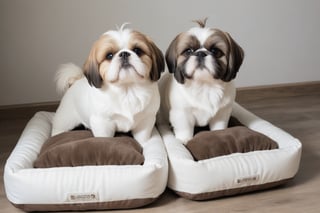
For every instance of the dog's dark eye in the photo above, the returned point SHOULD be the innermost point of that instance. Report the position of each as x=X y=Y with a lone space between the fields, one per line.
x=188 y=51
x=109 y=56
x=217 y=53
x=138 y=51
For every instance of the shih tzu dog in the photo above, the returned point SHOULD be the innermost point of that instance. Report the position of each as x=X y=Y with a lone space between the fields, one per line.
x=116 y=91
x=200 y=92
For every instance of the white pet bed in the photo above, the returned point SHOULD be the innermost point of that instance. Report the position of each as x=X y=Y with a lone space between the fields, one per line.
x=82 y=187
x=234 y=173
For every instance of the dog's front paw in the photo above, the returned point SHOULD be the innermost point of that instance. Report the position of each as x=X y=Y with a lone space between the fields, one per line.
x=184 y=137
x=55 y=131
x=99 y=131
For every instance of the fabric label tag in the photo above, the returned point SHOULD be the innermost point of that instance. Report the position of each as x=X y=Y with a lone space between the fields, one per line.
x=247 y=180
x=82 y=197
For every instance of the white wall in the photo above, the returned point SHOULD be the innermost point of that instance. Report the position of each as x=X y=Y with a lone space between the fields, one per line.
x=280 y=38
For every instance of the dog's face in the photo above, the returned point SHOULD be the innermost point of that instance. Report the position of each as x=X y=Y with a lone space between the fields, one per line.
x=203 y=54
x=123 y=56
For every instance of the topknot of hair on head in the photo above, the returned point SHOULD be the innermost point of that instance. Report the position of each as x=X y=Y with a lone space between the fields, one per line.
x=123 y=26
x=202 y=23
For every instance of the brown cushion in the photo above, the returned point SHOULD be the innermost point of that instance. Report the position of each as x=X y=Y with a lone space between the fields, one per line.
x=79 y=148
x=209 y=144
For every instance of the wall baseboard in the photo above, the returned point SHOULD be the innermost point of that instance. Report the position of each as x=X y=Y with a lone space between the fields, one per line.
x=23 y=111
x=39 y=105
x=244 y=94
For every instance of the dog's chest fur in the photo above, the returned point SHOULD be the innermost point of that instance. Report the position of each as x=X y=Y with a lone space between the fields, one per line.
x=123 y=106
x=205 y=105
x=202 y=101
x=128 y=105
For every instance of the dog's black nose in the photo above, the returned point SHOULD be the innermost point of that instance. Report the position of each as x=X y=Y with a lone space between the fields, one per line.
x=201 y=54
x=124 y=54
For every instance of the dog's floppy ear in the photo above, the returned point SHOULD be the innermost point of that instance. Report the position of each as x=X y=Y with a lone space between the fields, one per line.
x=235 y=59
x=91 y=69
x=171 y=55
x=157 y=61
x=171 y=59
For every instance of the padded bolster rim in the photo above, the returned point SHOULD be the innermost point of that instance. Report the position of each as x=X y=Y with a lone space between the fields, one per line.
x=252 y=121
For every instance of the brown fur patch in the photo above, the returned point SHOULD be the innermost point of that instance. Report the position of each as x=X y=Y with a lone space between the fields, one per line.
x=202 y=23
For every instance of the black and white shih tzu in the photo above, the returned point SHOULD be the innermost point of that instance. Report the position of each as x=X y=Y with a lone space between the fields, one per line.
x=204 y=62
x=116 y=90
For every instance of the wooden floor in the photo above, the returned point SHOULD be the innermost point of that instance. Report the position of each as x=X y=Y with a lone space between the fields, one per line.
x=295 y=109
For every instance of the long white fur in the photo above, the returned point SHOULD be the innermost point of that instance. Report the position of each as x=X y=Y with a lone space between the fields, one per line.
x=107 y=111
x=200 y=102
x=188 y=105
x=111 y=108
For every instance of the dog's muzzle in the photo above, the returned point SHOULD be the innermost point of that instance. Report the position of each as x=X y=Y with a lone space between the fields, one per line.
x=125 y=59
x=201 y=57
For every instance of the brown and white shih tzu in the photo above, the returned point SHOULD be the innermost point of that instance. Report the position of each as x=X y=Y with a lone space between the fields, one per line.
x=116 y=90
x=201 y=91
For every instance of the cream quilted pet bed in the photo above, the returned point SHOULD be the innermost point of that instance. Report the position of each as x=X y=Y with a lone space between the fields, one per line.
x=81 y=187
x=233 y=173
